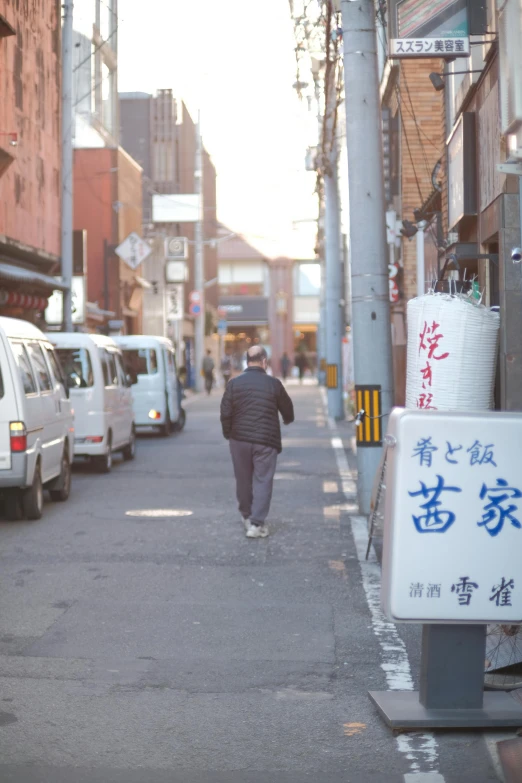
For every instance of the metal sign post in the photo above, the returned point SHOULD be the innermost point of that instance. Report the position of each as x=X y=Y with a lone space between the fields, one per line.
x=452 y=536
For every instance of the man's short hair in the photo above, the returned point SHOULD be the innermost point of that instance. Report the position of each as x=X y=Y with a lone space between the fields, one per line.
x=256 y=354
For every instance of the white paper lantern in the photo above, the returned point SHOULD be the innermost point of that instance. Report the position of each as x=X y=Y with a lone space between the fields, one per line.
x=452 y=353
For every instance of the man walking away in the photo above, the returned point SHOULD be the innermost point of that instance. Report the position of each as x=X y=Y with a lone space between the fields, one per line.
x=208 y=371
x=250 y=411
x=226 y=368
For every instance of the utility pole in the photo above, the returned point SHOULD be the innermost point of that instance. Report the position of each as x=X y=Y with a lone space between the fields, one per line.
x=334 y=283
x=369 y=258
x=199 y=266
x=67 y=162
x=421 y=284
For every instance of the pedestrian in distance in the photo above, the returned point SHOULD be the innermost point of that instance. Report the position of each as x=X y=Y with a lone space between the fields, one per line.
x=285 y=366
x=226 y=368
x=301 y=364
x=208 y=371
x=250 y=411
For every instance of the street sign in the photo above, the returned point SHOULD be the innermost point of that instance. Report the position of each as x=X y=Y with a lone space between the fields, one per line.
x=453 y=518
x=133 y=250
x=195 y=309
x=222 y=328
x=176 y=271
x=195 y=297
x=175 y=303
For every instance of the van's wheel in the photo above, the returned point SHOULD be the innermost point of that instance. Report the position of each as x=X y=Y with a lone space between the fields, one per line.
x=61 y=493
x=181 y=421
x=13 y=505
x=166 y=428
x=32 y=498
x=129 y=452
x=104 y=463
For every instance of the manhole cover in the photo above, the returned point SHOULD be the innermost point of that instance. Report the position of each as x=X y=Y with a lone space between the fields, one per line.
x=160 y=512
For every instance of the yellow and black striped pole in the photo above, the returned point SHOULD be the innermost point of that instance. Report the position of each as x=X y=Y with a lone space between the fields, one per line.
x=369 y=431
x=332 y=376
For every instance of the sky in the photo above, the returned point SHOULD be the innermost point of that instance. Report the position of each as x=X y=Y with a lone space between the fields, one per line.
x=234 y=60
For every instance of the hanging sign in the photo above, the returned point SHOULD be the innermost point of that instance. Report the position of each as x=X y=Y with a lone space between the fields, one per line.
x=133 y=250
x=436 y=29
x=175 y=302
x=453 y=517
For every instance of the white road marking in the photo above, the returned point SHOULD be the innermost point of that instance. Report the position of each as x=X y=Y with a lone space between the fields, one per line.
x=420 y=749
x=330 y=487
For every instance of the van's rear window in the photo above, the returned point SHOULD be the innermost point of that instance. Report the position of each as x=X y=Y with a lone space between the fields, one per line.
x=142 y=362
x=77 y=367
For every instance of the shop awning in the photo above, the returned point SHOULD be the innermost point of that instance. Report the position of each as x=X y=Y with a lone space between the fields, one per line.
x=19 y=274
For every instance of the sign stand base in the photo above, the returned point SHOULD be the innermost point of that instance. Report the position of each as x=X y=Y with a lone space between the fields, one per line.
x=451 y=693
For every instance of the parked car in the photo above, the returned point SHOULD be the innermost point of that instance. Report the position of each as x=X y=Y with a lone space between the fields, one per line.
x=36 y=421
x=157 y=391
x=100 y=395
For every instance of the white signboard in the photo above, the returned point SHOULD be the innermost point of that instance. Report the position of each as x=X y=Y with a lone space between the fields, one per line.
x=453 y=517
x=176 y=271
x=54 y=309
x=429 y=47
x=176 y=208
x=175 y=302
x=133 y=250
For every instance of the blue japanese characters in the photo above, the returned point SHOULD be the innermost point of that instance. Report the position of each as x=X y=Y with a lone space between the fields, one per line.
x=499 y=507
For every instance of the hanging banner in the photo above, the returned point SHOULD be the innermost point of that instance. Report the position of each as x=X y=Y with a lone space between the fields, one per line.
x=436 y=29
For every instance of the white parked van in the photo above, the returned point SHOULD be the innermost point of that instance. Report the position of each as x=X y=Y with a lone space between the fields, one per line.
x=100 y=395
x=151 y=363
x=36 y=421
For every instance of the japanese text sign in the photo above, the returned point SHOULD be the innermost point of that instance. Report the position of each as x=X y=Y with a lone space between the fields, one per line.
x=453 y=517
x=429 y=47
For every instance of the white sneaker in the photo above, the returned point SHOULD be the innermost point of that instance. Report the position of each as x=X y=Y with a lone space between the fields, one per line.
x=245 y=522
x=257 y=531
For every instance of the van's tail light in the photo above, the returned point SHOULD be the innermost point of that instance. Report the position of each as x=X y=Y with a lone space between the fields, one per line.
x=153 y=414
x=94 y=439
x=18 y=435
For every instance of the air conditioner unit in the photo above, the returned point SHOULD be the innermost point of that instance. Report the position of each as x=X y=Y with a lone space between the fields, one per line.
x=176 y=248
x=510 y=38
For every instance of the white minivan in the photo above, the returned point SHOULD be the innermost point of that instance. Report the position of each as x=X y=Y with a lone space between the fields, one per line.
x=151 y=363
x=100 y=395
x=36 y=421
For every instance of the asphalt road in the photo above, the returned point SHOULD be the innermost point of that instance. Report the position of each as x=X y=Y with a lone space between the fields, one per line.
x=137 y=648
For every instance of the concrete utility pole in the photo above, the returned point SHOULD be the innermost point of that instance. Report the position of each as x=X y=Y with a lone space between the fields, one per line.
x=334 y=283
x=199 y=264
x=321 y=336
x=421 y=284
x=369 y=258
x=67 y=162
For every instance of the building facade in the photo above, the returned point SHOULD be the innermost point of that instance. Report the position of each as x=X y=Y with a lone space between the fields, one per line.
x=30 y=158
x=107 y=206
x=159 y=132
x=453 y=174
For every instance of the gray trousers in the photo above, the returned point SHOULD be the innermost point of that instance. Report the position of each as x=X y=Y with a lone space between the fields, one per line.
x=254 y=468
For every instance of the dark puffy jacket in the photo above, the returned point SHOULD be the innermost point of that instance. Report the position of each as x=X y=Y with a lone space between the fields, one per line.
x=251 y=406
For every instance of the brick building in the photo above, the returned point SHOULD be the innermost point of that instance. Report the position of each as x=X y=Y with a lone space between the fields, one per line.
x=30 y=162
